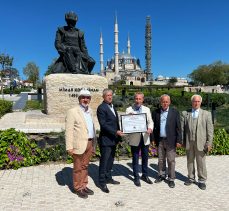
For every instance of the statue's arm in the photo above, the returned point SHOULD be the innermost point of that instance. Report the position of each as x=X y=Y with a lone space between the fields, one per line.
x=83 y=47
x=58 y=41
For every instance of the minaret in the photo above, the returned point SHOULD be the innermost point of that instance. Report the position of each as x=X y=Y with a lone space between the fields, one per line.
x=116 y=45
x=148 y=38
x=101 y=55
x=128 y=44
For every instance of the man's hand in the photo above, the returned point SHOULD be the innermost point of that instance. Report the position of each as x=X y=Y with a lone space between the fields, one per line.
x=209 y=148
x=149 y=130
x=93 y=151
x=179 y=145
x=119 y=133
x=70 y=152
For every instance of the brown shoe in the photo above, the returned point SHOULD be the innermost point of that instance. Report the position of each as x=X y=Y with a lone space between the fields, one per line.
x=82 y=194
x=88 y=191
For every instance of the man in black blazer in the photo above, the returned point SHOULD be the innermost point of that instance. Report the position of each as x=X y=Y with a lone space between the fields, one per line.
x=108 y=139
x=167 y=136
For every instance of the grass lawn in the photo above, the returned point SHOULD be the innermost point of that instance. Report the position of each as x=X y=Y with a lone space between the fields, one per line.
x=34 y=105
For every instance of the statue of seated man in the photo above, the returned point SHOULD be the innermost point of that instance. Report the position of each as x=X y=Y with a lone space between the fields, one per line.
x=72 y=49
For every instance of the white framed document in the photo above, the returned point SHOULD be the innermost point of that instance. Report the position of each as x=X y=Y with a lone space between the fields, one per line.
x=134 y=123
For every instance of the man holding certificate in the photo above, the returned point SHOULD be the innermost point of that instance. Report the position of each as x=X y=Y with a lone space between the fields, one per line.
x=140 y=140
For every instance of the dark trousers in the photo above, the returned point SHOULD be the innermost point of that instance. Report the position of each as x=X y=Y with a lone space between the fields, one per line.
x=106 y=163
x=135 y=150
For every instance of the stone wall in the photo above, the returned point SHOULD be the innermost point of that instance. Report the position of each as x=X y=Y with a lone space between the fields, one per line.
x=61 y=91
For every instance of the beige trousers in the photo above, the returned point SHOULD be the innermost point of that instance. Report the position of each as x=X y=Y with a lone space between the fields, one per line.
x=200 y=157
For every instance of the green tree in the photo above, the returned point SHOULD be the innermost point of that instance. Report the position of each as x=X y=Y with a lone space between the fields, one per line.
x=50 y=67
x=216 y=73
x=32 y=72
x=6 y=62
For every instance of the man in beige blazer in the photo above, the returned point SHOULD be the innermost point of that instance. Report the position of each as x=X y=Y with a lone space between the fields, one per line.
x=197 y=135
x=80 y=142
x=140 y=141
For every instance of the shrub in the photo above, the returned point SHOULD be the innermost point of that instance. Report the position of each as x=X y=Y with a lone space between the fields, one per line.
x=17 y=151
x=153 y=150
x=118 y=103
x=16 y=91
x=181 y=151
x=218 y=99
x=5 y=107
x=220 y=143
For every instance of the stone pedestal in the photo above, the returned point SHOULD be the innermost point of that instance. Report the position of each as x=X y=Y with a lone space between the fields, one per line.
x=61 y=91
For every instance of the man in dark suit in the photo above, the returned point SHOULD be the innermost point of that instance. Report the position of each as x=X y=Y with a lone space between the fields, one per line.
x=167 y=137
x=108 y=139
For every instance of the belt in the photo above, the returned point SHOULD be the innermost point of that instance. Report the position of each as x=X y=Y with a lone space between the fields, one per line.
x=163 y=138
x=90 y=139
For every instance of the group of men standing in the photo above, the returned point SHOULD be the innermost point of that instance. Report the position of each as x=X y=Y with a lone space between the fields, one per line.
x=165 y=128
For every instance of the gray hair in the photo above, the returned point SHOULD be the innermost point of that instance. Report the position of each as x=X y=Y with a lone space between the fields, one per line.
x=138 y=93
x=193 y=96
x=105 y=91
x=164 y=95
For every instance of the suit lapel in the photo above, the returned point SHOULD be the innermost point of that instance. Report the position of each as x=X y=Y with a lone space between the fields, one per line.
x=82 y=116
x=158 y=117
x=109 y=109
x=199 y=118
x=168 y=117
x=189 y=119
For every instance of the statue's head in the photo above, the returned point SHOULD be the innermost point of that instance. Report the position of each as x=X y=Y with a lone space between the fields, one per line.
x=71 y=19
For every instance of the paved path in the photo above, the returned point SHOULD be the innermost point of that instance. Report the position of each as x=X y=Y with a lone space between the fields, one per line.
x=21 y=102
x=48 y=187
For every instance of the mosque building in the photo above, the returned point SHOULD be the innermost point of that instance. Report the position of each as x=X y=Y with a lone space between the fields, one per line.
x=123 y=66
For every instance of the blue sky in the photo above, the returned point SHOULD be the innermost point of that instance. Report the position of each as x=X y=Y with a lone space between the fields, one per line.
x=185 y=33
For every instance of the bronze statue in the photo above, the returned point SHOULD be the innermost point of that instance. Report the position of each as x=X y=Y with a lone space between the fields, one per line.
x=72 y=49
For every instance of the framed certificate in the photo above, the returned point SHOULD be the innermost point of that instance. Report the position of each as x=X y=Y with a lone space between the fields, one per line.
x=134 y=123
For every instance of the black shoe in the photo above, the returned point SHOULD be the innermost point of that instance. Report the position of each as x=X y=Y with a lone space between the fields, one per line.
x=202 y=186
x=189 y=182
x=171 y=184
x=159 y=179
x=146 y=179
x=82 y=194
x=88 y=191
x=104 y=188
x=113 y=182
x=137 y=182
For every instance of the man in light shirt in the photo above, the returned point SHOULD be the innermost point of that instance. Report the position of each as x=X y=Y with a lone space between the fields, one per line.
x=166 y=135
x=80 y=142
x=197 y=134
x=140 y=141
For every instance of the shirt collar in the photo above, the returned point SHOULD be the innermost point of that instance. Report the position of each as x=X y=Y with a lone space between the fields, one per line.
x=84 y=109
x=165 y=110
x=137 y=108
x=195 y=110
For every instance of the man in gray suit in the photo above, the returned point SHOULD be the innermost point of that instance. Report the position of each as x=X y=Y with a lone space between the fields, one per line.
x=197 y=135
